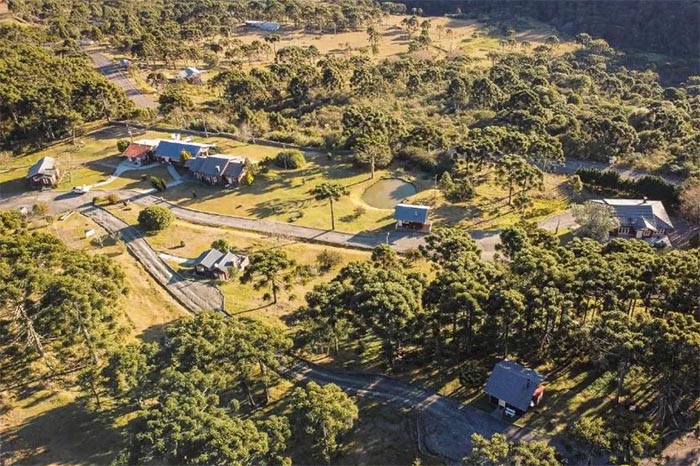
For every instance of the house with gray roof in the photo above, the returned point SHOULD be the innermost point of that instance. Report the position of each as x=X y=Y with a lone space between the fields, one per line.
x=412 y=217
x=514 y=387
x=218 y=265
x=171 y=151
x=191 y=74
x=218 y=169
x=639 y=218
x=44 y=173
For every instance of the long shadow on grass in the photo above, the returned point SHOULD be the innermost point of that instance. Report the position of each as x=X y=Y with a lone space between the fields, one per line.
x=67 y=434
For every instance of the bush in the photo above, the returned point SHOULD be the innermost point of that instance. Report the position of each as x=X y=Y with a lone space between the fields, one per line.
x=472 y=375
x=158 y=183
x=122 y=144
x=40 y=208
x=326 y=260
x=155 y=218
x=222 y=245
x=418 y=157
x=113 y=198
x=290 y=159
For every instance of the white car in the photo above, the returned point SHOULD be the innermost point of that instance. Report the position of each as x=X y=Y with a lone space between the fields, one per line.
x=80 y=189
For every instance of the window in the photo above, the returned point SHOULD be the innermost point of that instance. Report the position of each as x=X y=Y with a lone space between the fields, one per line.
x=624 y=230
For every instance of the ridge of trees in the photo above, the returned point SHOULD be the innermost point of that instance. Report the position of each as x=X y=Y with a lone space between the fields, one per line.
x=48 y=90
x=619 y=307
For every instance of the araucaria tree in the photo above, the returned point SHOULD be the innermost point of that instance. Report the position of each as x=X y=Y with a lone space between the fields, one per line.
x=269 y=268
x=331 y=192
x=327 y=414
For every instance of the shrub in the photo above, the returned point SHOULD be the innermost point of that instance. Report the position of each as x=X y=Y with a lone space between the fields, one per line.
x=40 y=208
x=155 y=218
x=418 y=157
x=290 y=159
x=472 y=375
x=359 y=211
x=326 y=260
x=122 y=144
x=158 y=183
x=113 y=198
x=222 y=245
x=98 y=200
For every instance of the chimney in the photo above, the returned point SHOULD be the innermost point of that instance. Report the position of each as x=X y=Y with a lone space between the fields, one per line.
x=645 y=200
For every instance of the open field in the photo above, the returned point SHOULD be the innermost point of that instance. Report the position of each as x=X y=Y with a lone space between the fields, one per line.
x=242 y=300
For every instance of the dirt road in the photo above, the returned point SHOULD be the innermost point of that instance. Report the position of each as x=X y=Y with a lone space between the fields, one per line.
x=118 y=76
x=194 y=295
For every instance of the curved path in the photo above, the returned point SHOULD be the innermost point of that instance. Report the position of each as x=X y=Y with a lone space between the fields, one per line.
x=445 y=426
x=194 y=295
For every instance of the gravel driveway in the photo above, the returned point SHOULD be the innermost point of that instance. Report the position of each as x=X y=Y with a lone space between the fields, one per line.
x=194 y=295
x=445 y=425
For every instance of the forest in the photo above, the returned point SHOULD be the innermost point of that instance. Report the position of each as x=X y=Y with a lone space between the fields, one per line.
x=666 y=27
x=49 y=92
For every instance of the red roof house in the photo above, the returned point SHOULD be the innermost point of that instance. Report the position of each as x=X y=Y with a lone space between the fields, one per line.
x=138 y=152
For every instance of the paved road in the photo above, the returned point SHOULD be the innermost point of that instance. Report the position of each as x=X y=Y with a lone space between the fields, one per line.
x=571 y=165
x=445 y=425
x=194 y=295
x=115 y=74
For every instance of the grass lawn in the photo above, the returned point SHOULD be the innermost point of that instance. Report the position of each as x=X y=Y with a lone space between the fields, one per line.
x=147 y=307
x=284 y=195
x=489 y=208
x=242 y=300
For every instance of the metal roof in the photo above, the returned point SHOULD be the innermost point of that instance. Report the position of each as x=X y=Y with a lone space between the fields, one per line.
x=215 y=259
x=43 y=166
x=217 y=165
x=639 y=213
x=209 y=258
x=513 y=383
x=173 y=149
x=411 y=213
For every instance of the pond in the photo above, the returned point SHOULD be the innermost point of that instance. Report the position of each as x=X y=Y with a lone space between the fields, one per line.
x=385 y=194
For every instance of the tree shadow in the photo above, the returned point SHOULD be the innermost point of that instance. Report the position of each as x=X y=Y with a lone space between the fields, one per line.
x=68 y=434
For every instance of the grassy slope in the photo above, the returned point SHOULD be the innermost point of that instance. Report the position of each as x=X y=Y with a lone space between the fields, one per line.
x=36 y=417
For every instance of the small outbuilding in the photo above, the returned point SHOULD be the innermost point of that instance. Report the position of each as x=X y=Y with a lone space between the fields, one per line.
x=44 y=173
x=218 y=265
x=514 y=387
x=218 y=169
x=412 y=217
x=269 y=26
x=192 y=75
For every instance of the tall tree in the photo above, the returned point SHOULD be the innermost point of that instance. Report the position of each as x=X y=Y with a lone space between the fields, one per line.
x=267 y=269
x=328 y=413
x=331 y=192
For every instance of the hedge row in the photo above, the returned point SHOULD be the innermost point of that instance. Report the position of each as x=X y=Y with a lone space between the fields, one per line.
x=652 y=187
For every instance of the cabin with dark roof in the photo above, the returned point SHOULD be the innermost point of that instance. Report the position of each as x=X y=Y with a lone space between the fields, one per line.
x=218 y=265
x=514 y=387
x=218 y=169
x=170 y=152
x=412 y=217
x=639 y=218
x=44 y=173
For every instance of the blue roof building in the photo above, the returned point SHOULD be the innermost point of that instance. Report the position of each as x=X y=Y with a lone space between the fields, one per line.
x=412 y=217
x=512 y=385
x=169 y=151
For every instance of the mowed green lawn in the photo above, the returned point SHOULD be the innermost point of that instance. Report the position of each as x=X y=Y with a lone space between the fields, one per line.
x=285 y=195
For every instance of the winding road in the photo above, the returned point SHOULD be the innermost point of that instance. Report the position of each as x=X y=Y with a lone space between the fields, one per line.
x=444 y=425
x=195 y=295
x=115 y=74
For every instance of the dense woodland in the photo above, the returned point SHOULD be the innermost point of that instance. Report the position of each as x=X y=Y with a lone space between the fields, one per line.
x=48 y=92
x=665 y=27
x=620 y=307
